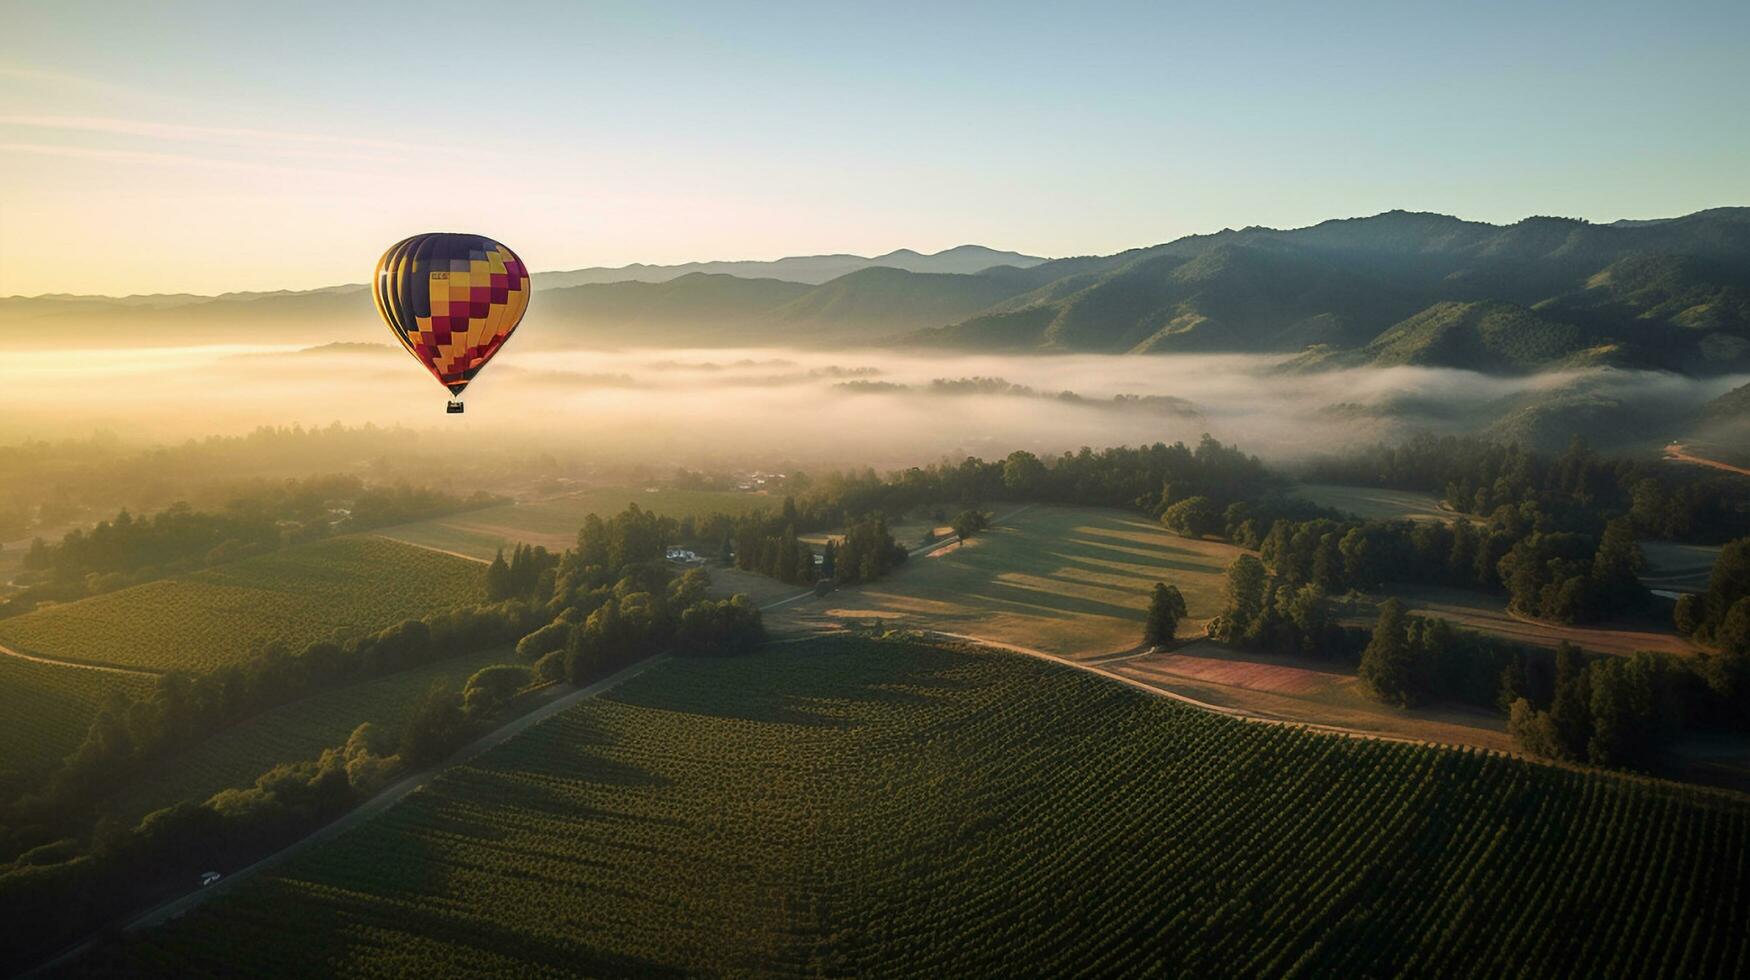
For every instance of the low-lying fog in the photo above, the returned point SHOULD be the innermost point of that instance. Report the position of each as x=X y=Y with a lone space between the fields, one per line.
x=698 y=407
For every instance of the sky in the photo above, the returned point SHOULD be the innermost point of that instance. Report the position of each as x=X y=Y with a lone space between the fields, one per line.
x=212 y=147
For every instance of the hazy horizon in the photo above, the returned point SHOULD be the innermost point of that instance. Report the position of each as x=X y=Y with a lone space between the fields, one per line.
x=243 y=150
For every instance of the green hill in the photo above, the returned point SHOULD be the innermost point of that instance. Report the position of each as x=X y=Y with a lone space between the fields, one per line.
x=1404 y=288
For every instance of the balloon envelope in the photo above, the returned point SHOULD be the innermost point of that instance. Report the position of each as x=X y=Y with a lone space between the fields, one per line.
x=452 y=300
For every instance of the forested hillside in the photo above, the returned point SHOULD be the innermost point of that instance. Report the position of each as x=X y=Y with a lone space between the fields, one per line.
x=1405 y=288
x=1393 y=288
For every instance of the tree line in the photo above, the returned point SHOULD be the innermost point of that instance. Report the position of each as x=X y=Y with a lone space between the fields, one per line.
x=1476 y=476
x=1608 y=711
x=1562 y=576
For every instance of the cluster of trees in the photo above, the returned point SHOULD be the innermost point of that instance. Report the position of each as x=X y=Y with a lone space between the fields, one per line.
x=969 y=522
x=530 y=572
x=1479 y=477
x=1275 y=613
x=1607 y=711
x=1550 y=574
x=867 y=551
x=1603 y=710
x=614 y=600
x=1414 y=660
x=128 y=550
x=769 y=546
x=1720 y=617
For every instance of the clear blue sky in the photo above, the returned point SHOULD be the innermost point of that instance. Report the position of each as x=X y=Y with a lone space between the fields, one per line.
x=233 y=145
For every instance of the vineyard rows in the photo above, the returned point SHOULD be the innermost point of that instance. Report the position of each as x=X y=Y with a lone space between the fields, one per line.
x=48 y=709
x=210 y=618
x=869 y=807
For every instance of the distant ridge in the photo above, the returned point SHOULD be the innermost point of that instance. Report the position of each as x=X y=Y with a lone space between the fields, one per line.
x=1397 y=288
x=810 y=269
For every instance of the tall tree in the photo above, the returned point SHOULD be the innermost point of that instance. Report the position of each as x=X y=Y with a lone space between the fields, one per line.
x=1165 y=608
x=498 y=578
x=1388 y=663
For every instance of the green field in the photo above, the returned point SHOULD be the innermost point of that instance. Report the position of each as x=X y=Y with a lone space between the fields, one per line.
x=857 y=807
x=49 y=708
x=1376 y=504
x=218 y=616
x=553 y=523
x=292 y=732
x=1068 y=580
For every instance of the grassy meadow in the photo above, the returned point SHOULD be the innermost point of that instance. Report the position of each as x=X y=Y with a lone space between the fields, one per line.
x=888 y=808
x=1073 y=581
x=217 y=616
x=553 y=522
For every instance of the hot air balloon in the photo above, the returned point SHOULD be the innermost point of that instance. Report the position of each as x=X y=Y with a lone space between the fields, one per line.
x=452 y=300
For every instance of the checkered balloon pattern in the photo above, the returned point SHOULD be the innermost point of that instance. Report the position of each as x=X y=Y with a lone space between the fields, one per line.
x=452 y=301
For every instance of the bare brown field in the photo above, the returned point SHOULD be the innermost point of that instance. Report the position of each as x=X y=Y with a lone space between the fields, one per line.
x=1304 y=691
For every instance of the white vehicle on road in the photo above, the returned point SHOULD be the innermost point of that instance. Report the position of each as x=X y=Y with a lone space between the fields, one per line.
x=210 y=877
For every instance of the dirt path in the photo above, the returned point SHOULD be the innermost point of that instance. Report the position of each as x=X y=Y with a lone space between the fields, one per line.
x=1174 y=695
x=476 y=559
x=33 y=658
x=383 y=800
x=1674 y=454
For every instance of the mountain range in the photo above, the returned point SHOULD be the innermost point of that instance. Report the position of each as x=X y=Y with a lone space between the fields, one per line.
x=1394 y=288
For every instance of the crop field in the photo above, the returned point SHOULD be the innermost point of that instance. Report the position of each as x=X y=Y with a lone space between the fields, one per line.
x=46 y=709
x=887 y=808
x=1073 y=581
x=292 y=732
x=217 y=616
x=553 y=523
x=1376 y=504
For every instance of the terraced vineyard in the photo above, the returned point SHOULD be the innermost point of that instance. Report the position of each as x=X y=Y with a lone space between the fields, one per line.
x=296 y=731
x=213 y=617
x=890 y=808
x=49 y=708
